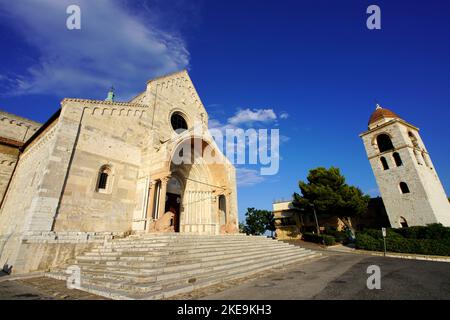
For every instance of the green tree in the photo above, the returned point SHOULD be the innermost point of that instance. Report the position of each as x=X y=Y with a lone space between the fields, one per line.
x=327 y=191
x=241 y=227
x=257 y=222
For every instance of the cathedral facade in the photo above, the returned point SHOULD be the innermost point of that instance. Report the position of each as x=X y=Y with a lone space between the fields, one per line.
x=103 y=168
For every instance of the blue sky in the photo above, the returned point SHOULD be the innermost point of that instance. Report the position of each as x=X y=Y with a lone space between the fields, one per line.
x=310 y=68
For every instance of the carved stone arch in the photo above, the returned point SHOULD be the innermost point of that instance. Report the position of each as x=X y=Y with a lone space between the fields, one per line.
x=186 y=139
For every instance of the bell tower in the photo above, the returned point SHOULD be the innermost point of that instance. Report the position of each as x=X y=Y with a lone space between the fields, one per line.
x=409 y=185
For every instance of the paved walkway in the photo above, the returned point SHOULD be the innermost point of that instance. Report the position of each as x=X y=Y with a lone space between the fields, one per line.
x=336 y=275
x=344 y=276
x=41 y=288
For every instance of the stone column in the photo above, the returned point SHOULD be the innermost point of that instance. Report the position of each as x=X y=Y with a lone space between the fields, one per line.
x=162 y=196
x=150 y=203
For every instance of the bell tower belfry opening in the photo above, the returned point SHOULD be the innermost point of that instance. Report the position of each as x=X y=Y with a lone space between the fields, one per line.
x=409 y=185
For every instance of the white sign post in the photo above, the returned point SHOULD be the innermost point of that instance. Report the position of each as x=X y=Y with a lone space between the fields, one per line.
x=383 y=231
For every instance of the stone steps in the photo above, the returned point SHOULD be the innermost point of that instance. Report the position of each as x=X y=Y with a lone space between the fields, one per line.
x=169 y=287
x=159 y=266
x=155 y=254
x=187 y=243
x=168 y=280
x=173 y=259
x=168 y=250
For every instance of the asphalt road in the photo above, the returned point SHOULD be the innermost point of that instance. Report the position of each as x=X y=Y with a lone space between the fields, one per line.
x=344 y=276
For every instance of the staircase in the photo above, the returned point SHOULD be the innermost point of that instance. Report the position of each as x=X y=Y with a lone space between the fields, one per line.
x=158 y=266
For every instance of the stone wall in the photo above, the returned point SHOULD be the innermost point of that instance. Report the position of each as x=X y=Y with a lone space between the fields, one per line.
x=112 y=137
x=8 y=159
x=14 y=131
x=16 y=128
x=21 y=198
x=42 y=251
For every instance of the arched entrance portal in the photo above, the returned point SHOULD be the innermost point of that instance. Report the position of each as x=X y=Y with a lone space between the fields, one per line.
x=192 y=196
x=222 y=210
x=200 y=183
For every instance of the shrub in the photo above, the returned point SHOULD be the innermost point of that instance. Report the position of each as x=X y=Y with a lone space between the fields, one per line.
x=403 y=245
x=367 y=242
x=328 y=240
x=376 y=233
x=435 y=231
x=339 y=236
x=323 y=238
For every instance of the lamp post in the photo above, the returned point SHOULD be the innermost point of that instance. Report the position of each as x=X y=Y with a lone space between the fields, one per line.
x=315 y=217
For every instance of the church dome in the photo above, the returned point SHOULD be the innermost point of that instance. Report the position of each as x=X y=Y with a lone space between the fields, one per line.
x=381 y=113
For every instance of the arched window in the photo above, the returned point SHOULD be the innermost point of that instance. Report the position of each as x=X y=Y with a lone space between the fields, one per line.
x=384 y=163
x=384 y=143
x=397 y=159
x=404 y=187
x=222 y=209
x=178 y=122
x=403 y=222
x=413 y=139
x=104 y=177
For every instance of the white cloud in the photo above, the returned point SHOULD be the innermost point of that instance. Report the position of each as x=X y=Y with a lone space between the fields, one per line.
x=255 y=115
x=248 y=177
x=114 y=47
x=284 y=115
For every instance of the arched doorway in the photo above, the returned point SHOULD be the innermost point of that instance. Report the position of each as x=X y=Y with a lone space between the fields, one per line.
x=222 y=210
x=200 y=181
x=173 y=201
x=403 y=222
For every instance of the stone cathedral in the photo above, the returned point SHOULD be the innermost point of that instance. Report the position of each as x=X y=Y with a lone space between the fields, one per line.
x=100 y=168
x=409 y=184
